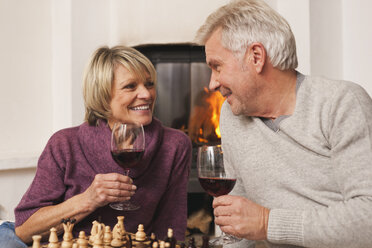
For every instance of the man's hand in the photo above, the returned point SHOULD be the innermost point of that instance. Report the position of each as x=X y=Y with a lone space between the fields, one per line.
x=241 y=217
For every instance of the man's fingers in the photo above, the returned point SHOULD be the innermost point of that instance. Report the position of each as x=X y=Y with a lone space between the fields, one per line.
x=228 y=230
x=222 y=211
x=222 y=220
x=224 y=200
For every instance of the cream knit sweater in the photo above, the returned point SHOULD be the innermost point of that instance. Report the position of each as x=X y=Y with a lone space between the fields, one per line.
x=314 y=172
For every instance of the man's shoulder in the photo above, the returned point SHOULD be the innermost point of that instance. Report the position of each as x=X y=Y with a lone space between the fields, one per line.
x=328 y=95
x=329 y=87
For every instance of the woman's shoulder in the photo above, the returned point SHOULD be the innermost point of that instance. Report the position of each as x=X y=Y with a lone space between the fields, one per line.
x=65 y=135
x=176 y=136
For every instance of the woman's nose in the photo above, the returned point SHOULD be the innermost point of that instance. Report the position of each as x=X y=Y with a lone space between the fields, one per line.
x=143 y=92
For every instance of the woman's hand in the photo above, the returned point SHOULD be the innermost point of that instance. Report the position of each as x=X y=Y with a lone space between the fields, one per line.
x=241 y=217
x=107 y=188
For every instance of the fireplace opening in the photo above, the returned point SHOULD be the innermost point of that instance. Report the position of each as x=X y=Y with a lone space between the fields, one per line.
x=185 y=103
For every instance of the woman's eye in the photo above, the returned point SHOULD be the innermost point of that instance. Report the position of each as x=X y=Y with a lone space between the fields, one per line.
x=130 y=86
x=150 y=84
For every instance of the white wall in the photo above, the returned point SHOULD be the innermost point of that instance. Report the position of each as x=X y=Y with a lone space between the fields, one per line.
x=45 y=45
x=25 y=94
x=357 y=42
x=25 y=69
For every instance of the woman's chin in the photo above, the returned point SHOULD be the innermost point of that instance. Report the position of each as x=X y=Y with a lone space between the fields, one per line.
x=145 y=121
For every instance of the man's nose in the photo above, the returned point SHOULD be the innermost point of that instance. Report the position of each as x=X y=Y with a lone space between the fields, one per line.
x=214 y=84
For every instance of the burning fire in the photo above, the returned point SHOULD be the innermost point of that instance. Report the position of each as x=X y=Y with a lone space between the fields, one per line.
x=204 y=125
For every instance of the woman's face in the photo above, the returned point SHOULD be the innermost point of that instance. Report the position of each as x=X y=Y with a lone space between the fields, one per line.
x=132 y=99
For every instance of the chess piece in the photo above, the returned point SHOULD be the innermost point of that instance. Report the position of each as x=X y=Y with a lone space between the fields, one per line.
x=117 y=236
x=53 y=238
x=121 y=223
x=152 y=239
x=162 y=244
x=75 y=245
x=170 y=239
x=191 y=243
x=93 y=231
x=129 y=241
x=140 y=237
x=205 y=243
x=82 y=240
x=155 y=244
x=107 y=236
x=68 y=225
x=36 y=241
x=140 y=234
x=98 y=238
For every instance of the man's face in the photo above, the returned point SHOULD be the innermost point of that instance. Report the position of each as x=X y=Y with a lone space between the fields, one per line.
x=233 y=77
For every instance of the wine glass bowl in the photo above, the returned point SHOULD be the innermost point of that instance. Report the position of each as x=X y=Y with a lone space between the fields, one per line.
x=215 y=180
x=211 y=171
x=127 y=149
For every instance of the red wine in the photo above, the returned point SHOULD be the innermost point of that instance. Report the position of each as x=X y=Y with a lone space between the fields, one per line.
x=217 y=186
x=127 y=158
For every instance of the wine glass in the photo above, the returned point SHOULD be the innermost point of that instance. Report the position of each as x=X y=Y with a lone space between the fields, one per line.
x=127 y=148
x=215 y=181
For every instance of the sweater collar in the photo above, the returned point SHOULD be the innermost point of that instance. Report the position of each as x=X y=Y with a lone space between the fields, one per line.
x=95 y=143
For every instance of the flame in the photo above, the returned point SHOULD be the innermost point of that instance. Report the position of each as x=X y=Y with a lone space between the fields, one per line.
x=204 y=121
x=215 y=100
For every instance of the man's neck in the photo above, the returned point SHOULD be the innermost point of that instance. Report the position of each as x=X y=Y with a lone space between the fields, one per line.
x=281 y=97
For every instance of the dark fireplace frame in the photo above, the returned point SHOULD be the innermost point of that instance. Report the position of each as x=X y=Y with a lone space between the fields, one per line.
x=180 y=69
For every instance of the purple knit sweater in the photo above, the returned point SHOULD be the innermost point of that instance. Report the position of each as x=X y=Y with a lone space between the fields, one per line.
x=73 y=156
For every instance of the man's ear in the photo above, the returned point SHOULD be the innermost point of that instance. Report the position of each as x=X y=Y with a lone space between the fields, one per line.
x=256 y=56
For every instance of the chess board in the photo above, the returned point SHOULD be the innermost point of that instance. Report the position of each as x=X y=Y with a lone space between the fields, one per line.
x=101 y=236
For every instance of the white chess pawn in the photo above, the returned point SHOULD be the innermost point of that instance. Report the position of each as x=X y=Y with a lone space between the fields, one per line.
x=82 y=240
x=140 y=234
x=53 y=238
x=36 y=241
x=107 y=236
x=162 y=244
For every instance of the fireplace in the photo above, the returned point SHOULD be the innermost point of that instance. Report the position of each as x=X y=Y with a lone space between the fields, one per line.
x=184 y=102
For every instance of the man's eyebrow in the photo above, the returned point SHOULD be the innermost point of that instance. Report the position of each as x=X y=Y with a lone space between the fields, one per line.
x=213 y=63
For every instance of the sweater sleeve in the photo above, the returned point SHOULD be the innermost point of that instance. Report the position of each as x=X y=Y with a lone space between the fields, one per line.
x=172 y=209
x=47 y=187
x=346 y=223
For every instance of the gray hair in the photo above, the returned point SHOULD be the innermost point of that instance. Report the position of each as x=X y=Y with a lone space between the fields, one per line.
x=244 y=22
x=99 y=77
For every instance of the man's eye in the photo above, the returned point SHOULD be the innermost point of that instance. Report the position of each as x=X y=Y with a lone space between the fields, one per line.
x=216 y=67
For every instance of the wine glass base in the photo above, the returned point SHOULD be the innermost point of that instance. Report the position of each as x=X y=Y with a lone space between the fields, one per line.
x=124 y=206
x=224 y=239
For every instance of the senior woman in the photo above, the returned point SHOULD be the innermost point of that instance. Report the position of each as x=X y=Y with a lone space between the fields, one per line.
x=76 y=176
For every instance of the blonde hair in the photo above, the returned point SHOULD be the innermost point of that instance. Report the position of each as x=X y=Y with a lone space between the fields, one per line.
x=244 y=22
x=99 y=77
